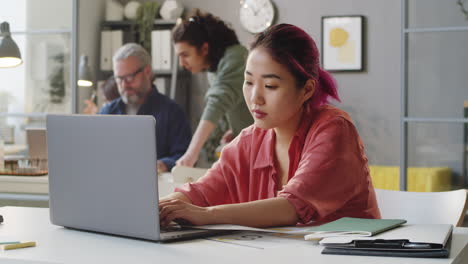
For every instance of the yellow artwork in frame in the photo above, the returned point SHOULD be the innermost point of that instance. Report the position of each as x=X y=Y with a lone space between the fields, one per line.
x=342 y=43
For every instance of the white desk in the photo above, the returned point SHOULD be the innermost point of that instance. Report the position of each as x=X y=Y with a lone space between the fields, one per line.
x=36 y=188
x=57 y=244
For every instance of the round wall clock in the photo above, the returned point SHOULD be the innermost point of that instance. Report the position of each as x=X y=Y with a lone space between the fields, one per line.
x=256 y=15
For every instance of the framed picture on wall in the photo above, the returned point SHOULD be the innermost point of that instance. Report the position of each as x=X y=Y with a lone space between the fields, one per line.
x=342 y=43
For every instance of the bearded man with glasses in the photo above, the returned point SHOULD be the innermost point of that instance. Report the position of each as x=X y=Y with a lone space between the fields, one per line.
x=139 y=96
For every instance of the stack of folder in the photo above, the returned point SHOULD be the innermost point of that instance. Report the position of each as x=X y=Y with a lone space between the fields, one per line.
x=426 y=241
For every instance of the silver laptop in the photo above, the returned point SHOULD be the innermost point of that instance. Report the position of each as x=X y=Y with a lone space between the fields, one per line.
x=103 y=177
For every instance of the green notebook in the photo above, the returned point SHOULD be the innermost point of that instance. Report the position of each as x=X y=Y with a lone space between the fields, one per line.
x=349 y=226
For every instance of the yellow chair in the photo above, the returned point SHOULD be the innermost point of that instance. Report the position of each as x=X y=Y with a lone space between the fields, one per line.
x=420 y=179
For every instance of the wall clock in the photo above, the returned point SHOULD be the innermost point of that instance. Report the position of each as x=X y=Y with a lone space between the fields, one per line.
x=256 y=15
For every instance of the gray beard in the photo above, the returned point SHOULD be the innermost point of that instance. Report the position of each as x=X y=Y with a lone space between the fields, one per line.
x=130 y=100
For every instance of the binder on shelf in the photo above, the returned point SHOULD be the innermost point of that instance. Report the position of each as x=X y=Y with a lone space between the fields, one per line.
x=425 y=241
x=166 y=54
x=161 y=49
x=106 y=50
x=117 y=41
x=155 y=49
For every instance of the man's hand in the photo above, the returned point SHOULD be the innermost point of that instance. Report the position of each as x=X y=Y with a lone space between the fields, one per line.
x=91 y=108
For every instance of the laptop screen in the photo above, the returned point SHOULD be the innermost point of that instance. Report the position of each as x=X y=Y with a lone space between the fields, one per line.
x=102 y=174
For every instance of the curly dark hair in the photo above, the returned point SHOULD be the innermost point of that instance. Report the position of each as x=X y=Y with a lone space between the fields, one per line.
x=201 y=27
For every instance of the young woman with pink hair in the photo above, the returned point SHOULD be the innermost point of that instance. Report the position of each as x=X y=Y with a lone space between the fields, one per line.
x=301 y=161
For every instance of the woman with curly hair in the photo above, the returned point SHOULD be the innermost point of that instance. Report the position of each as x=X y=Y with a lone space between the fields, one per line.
x=204 y=43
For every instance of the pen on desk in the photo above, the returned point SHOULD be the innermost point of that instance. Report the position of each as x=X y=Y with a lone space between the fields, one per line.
x=20 y=245
x=395 y=244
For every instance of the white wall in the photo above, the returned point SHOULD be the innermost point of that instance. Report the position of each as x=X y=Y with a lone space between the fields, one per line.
x=437 y=70
x=371 y=97
x=43 y=15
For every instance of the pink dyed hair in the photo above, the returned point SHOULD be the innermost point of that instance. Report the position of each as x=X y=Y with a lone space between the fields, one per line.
x=294 y=48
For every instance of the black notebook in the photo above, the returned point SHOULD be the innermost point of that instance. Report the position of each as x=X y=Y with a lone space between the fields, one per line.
x=440 y=253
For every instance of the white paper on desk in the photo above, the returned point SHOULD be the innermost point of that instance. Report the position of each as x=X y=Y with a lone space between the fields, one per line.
x=259 y=240
x=283 y=230
x=437 y=234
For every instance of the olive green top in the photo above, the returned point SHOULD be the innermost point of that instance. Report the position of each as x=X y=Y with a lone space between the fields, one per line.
x=225 y=97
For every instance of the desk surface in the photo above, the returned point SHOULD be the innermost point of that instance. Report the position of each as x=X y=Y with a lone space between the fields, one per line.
x=61 y=245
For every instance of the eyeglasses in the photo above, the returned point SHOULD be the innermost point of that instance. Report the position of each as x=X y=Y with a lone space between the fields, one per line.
x=129 y=77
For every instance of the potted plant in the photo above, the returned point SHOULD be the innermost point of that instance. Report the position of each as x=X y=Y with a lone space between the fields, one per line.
x=146 y=14
x=57 y=81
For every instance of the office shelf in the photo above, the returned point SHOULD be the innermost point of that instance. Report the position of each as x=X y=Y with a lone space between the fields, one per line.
x=129 y=23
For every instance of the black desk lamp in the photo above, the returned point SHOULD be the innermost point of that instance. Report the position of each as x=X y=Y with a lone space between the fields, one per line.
x=10 y=55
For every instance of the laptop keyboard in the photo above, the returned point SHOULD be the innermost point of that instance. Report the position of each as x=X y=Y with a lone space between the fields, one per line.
x=170 y=228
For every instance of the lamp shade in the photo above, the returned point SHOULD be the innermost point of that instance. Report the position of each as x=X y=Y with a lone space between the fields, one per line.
x=10 y=55
x=85 y=77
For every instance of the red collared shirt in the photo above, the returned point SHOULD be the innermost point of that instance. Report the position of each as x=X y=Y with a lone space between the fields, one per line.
x=328 y=174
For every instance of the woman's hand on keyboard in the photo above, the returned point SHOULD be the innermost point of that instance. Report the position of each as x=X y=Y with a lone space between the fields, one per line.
x=183 y=212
